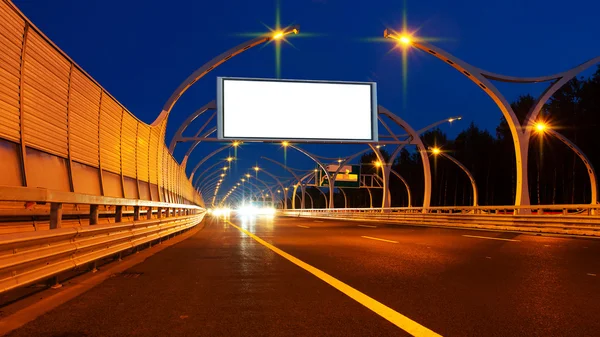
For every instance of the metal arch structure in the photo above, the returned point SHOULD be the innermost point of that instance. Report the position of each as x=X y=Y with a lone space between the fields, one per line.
x=318 y=162
x=276 y=180
x=387 y=166
x=212 y=64
x=262 y=194
x=204 y=180
x=588 y=165
x=345 y=197
x=179 y=133
x=209 y=168
x=297 y=177
x=467 y=172
x=405 y=185
x=222 y=148
x=415 y=137
x=266 y=185
x=521 y=132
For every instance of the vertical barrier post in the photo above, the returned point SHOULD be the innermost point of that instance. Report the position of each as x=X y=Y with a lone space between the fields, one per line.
x=149 y=213
x=56 y=212
x=136 y=213
x=119 y=214
x=93 y=214
x=159 y=212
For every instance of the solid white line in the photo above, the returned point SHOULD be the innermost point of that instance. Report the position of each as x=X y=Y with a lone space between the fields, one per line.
x=378 y=239
x=489 y=238
x=367 y=226
x=590 y=274
x=302 y=226
x=379 y=308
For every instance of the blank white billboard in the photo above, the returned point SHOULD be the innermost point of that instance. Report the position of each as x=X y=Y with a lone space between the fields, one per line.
x=270 y=110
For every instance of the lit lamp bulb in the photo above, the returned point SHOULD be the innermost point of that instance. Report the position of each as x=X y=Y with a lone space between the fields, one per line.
x=541 y=127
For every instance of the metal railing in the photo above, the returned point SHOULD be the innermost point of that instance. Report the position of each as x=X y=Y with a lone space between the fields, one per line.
x=557 y=219
x=30 y=256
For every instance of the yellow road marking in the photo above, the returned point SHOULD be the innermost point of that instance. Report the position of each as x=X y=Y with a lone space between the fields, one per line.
x=379 y=308
x=378 y=239
x=489 y=238
x=367 y=226
x=302 y=226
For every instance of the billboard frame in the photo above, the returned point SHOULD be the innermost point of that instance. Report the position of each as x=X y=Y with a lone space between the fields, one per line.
x=220 y=113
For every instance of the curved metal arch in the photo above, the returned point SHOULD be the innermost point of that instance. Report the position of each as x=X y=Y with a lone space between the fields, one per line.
x=312 y=203
x=420 y=148
x=207 y=176
x=521 y=132
x=266 y=185
x=210 y=65
x=331 y=183
x=430 y=126
x=468 y=173
x=207 y=158
x=258 y=188
x=345 y=198
x=292 y=173
x=196 y=142
x=209 y=182
x=588 y=164
x=405 y=185
x=179 y=133
x=370 y=198
x=208 y=169
x=277 y=180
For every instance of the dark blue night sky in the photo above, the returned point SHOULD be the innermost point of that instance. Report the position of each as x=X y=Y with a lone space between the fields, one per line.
x=141 y=51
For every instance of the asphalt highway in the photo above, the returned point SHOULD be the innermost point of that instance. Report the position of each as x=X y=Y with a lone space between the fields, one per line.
x=307 y=277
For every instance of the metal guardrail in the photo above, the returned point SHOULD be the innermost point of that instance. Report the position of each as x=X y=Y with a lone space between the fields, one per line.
x=29 y=257
x=556 y=219
x=587 y=209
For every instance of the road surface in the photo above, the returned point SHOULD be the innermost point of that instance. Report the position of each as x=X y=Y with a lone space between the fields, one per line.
x=307 y=277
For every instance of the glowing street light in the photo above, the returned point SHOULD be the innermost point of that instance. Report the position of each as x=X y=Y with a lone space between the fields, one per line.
x=280 y=34
x=256 y=168
x=224 y=168
x=405 y=40
x=222 y=174
x=436 y=151
x=377 y=163
x=285 y=143
x=243 y=179
x=402 y=38
x=230 y=159
x=541 y=126
x=235 y=144
x=248 y=175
